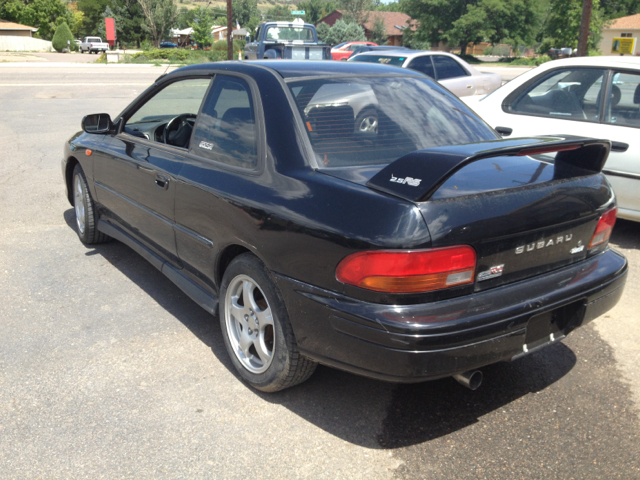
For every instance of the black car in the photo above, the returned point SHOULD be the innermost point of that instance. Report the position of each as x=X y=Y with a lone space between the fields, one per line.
x=422 y=248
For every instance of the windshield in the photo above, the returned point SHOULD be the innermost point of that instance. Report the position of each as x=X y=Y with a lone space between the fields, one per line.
x=383 y=59
x=290 y=33
x=377 y=120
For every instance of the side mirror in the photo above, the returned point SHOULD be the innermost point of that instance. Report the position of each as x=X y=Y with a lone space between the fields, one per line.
x=504 y=131
x=247 y=38
x=97 y=123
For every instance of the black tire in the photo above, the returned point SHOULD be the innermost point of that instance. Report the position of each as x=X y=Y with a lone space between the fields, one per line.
x=367 y=121
x=85 y=209
x=285 y=367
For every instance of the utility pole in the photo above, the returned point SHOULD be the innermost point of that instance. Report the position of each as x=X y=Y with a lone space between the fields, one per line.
x=229 y=31
x=587 y=6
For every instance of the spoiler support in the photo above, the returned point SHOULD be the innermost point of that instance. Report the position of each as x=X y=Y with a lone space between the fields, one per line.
x=576 y=156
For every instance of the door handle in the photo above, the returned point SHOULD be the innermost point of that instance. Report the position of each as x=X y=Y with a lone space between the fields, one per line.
x=619 y=147
x=162 y=181
x=469 y=86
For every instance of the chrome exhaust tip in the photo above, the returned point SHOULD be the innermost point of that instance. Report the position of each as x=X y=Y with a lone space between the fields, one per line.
x=471 y=379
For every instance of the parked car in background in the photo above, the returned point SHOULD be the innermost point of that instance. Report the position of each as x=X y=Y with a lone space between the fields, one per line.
x=591 y=96
x=93 y=45
x=294 y=40
x=449 y=70
x=427 y=248
x=344 y=50
x=371 y=48
x=167 y=44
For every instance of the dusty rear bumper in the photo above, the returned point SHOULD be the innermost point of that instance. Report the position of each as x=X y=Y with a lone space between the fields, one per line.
x=428 y=341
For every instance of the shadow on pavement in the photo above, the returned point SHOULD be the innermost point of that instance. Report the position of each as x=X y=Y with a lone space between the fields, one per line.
x=351 y=407
x=625 y=234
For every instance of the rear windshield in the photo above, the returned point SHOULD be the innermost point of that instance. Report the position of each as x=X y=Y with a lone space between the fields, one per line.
x=376 y=120
x=94 y=39
x=290 y=33
x=383 y=59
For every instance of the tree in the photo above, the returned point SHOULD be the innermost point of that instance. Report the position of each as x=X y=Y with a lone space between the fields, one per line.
x=160 y=15
x=357 y=9
x=280 y=12
x=314 y=10
x=129 y=21
x=92 y=10
x=389 y=7
x=186 y=17
x=460 y=22
x=202 y=24
x=378 y=34
x=323 y=30
x=41 y=14
x=341 y=32
x=562 y=25
x=62 y=38
x=244 y=10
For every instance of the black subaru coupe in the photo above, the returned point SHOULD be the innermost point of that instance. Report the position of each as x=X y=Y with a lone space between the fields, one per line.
x=350 y=214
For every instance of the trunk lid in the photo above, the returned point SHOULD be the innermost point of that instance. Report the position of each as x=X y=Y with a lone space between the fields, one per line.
x=524 y=216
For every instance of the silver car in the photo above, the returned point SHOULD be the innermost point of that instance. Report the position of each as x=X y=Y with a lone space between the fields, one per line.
x=449 y=70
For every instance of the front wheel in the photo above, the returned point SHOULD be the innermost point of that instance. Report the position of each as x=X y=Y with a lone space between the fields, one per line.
x=367 y=121
x=256 y=328
x=86 y=211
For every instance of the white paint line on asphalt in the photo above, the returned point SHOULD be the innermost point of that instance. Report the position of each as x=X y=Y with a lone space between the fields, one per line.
x=75 y=84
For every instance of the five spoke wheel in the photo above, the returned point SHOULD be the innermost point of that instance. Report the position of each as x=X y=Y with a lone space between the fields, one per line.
x=249 y=324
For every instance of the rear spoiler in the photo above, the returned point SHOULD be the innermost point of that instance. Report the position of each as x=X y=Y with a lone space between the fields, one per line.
x=419 y=174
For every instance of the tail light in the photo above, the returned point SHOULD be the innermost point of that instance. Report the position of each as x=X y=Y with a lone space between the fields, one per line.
x=409 y=271
x=604 y=227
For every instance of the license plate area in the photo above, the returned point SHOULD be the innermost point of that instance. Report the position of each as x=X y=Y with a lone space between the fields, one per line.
x=552 y=326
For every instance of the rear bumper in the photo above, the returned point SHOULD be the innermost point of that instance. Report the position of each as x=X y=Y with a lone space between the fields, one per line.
x=423 y=342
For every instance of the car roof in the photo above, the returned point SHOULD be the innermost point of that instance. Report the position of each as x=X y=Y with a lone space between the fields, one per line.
x=600 y=61
x=408 y=53
x=304 y=68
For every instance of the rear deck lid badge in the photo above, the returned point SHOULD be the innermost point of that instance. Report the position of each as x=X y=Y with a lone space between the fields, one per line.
x=493 y=272
x=577 y=249
x=413 y=182
x=530 y=247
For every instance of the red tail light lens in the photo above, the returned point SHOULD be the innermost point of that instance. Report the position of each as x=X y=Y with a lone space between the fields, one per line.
x=604 y=227
x=409 y=271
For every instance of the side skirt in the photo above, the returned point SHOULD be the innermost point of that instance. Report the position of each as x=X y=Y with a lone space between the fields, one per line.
x=205 y=299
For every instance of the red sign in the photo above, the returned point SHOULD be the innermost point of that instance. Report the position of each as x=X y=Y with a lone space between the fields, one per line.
x=110 y=25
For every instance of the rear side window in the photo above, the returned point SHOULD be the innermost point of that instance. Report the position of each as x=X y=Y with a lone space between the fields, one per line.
x=447 y=67
x=623 y=101
x=423 y=65
x=382 y=59
x=226 y=127
x=568 y=93
x=376 y=120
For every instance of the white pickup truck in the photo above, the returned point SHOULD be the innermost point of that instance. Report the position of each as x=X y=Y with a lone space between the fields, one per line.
x=93 y=44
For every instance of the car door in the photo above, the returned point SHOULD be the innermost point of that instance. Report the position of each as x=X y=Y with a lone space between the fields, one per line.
x=453 y=75
x=621 y=125
x=135 y=173
x=251 y=48
x=223 y=158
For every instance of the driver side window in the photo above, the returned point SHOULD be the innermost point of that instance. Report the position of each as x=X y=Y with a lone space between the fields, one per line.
x=169 y=116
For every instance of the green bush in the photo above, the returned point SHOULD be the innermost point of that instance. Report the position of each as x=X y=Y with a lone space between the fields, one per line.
x=60 y=38
x=531 y=62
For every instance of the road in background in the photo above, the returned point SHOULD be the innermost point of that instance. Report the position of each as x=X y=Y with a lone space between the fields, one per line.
x=108 y=370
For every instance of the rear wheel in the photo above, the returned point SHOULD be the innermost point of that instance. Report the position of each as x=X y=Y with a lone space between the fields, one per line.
x=256 y=328
x=367 y=121
x=86 y=212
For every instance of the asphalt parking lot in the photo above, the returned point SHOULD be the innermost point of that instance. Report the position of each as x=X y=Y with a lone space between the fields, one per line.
x=107 y=370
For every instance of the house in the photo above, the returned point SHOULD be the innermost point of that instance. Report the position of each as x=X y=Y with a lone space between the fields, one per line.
x=614 y=37
x=15 y=29
x=394 y=24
